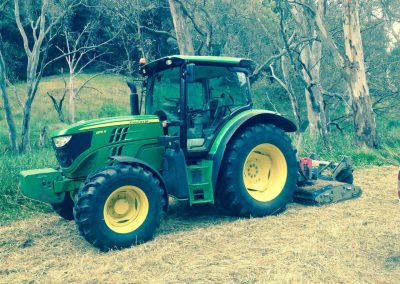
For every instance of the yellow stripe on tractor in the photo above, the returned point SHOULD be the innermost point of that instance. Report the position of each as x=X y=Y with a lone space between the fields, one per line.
x=129 y=122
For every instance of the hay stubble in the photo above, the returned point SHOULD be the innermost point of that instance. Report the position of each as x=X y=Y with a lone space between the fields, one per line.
x=356 y=241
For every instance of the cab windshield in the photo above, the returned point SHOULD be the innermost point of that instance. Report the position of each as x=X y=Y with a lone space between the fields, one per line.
x=163 y=95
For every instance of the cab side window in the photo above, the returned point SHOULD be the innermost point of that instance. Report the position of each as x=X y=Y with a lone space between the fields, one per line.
x=216 y=93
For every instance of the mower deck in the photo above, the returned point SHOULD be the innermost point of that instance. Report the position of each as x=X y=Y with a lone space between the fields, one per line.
x=326 y=192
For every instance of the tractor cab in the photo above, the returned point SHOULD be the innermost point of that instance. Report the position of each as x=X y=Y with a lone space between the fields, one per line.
x=195 y=96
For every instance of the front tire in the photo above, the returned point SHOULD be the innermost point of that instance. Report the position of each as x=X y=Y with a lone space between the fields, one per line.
x=65 y=208
x=259 y=172
x=119 y=206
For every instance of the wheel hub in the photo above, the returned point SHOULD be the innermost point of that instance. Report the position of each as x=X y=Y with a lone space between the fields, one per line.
x=126 y=209
x=121 y=206
x=264 y=172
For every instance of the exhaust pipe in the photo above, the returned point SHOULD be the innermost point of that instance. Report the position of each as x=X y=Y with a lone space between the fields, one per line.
x=134 y=99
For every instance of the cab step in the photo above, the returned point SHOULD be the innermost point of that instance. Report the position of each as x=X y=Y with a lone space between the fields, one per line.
x=200 y=188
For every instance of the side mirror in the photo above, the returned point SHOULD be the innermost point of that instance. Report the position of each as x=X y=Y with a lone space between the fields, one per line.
x=190 y=73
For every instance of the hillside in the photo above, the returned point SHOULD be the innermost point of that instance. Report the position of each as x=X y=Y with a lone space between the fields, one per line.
x=350 y=242
x=106 y=95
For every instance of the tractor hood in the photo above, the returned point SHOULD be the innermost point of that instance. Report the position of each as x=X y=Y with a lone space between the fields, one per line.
x=102 y=123
x=85 y=146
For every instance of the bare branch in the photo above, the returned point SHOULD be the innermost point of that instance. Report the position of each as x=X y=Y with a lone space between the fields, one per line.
x=21 y=28
x=163 y=33
x=191 y=18
x=87 y=81
x=3 y=5
x=66 y=10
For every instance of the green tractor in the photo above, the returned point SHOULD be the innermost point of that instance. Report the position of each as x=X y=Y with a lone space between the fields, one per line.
x=199 y=139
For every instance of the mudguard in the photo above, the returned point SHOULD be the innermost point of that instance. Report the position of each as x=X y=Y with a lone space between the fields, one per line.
x=238 y=122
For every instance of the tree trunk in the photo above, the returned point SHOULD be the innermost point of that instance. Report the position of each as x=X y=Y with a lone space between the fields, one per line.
x=310 y=56
x=352 y=67
x=364 y=119
x=71 y=97
x=26 y=129
x=181 y=25
x=42 y=136
x=292 y=96
x=12 y=133
x=32 y=83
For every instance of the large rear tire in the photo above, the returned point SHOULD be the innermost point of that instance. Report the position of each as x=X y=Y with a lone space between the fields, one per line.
x=259 y=172
x=119 y=206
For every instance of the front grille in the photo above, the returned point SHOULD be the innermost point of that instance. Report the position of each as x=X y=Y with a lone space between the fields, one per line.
x=79 y=143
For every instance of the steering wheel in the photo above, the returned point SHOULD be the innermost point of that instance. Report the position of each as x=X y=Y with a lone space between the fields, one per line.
x=196 y=112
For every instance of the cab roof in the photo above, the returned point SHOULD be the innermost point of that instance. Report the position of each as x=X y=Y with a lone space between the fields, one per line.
x=177 y=60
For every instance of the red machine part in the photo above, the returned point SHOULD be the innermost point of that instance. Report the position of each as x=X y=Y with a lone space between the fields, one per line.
x=306 y=167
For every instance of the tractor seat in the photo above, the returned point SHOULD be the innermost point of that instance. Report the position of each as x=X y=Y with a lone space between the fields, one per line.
x=195 y=143
x=214 y=105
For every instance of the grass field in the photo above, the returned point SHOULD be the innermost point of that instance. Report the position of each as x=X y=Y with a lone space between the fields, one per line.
x=351 y=242
x=106 y=95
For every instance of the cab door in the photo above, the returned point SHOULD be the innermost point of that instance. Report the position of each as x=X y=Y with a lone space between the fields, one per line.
x=216 y=94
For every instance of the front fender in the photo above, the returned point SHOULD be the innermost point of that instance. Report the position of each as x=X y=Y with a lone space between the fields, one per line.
x=238 y=122
x=133 y=161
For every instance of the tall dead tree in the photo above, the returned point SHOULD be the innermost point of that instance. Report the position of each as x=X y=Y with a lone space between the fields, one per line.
x=12 y=134
x=352 y=65
x=181 y=25
x=201 y=21
x=287 y=85
x=79 y=53
x=364 y=118
x=310 y=58
x=36 y=48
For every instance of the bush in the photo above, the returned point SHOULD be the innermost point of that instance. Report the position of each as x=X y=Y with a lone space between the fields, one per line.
x=13 y=205
x=109 y=109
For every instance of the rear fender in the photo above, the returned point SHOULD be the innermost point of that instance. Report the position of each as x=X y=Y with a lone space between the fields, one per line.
x=136 y=162
x=238 y=123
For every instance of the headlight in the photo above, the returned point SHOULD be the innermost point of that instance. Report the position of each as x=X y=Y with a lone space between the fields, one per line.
x=61 y=141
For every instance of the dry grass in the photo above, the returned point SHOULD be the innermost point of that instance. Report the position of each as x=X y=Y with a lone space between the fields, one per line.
x=356 y=241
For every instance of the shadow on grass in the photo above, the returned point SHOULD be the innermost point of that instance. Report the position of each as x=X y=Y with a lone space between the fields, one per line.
x=182 y=217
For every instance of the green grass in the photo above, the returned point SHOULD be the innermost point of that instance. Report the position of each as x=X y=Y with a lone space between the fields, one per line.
x=14 y=206
x=108 y=95
x=343 y=144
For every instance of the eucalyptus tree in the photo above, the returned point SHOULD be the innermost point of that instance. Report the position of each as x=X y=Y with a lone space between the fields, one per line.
x=351 y=62
x=12 y=134
x=43 y=29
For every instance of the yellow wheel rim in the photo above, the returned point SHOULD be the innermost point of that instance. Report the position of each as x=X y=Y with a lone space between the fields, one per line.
x=265 y=172
x=126 y=209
